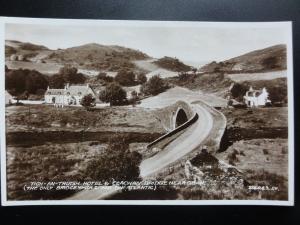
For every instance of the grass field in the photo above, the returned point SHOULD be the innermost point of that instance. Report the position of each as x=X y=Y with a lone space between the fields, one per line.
x=256 y=117
x=49 y=118
x=49 y=162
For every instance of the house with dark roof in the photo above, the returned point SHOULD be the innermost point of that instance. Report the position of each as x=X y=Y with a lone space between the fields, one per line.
x=255 y=98
x=69 y=95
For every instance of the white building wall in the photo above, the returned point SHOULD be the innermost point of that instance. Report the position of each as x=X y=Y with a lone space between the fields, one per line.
x=260 y=100
x=65 y=99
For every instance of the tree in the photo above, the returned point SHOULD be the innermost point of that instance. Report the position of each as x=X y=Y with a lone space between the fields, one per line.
x=57 y=81
x=68 y=70
x=277 y=94
x=126 y=78
x=154 y=86
x=66 y=74
x=88 y=101
x=71 y=75
x=103 y=76
x=113 y=93
x=35 y=81
x=238 y=91
x=18 y=81
x=141 y=78
x=134 y=94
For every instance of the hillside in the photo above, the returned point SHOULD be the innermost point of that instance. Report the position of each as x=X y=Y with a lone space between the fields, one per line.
x=264 y=60
x=25 y=49
x=260 y=68
x=89 y=56
x=208 y=83
x=96 y=56
x=172 y=64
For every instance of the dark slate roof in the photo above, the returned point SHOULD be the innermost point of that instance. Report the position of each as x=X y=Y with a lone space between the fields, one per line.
x=55 y=92
x=254 y=93
x=71 y=90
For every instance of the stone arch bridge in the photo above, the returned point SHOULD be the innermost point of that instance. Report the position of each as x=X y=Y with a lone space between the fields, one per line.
x=189 y=126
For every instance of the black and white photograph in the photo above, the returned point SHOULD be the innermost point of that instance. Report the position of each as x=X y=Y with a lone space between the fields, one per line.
x=146 y=112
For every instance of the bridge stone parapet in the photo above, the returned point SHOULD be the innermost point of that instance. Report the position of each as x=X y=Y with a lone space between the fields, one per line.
x=174 y=115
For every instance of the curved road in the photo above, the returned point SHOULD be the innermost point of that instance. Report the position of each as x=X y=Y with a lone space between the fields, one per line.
x=182 y=145
x=185 y=143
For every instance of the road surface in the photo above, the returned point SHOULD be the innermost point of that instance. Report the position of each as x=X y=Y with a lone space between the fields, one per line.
x=182 y=145
x=185 y=143
x=175 y=94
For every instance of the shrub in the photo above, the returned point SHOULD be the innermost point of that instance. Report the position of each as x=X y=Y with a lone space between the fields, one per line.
x=118 y=164
x=284 y=150
x=103 y=76
x=265 y=151
x=126 y=78
x=88 y=101
x=232 y=157
x=141 y=78
x=154 y=86
x=183 y=76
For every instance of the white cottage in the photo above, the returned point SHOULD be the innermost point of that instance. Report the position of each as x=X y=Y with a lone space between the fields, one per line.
x=255 y=98
x=70 y=95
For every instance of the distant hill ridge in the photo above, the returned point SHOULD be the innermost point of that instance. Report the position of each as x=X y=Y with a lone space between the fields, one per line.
x=264 y=60
x=99 y=57
x=172 y=64
x=17 y=45
x=90 y=56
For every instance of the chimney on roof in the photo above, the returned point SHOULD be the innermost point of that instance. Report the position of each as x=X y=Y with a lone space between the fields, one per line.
x=87 y=85
x=48 y=87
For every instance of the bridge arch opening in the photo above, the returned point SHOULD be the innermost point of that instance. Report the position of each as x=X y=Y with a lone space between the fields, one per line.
x=180 y=118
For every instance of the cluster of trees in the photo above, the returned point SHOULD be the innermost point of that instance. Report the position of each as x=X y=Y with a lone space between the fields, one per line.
x=116 y=95
x=113 y=94
x=23 y=82
x=154 y=86
x=124 y=78
x=66 y=74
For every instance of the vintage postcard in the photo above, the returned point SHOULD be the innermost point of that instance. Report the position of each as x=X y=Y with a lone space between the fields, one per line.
x=146 y=112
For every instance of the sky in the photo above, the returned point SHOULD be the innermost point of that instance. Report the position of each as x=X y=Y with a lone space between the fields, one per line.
x=189 y=44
